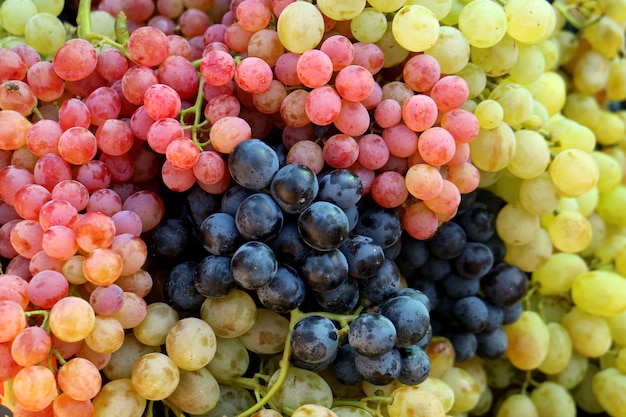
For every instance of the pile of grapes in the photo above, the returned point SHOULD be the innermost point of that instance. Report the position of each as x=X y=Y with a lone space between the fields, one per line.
x=267 y=208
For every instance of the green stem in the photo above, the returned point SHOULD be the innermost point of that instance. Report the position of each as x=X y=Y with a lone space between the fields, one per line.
x=57 y=354
x=196 y=110
x=355 y=403
x=44 y=313
x=83 y=20
x=177 y=412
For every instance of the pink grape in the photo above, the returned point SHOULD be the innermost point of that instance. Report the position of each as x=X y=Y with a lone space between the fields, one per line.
x=314 y=68
x=14 y=288
x=466 y=177
x=140 y=123
x=227 y=132
x=77 y=145
x=75 y=60
x=421 y=72
x=169 y=8
x=373 y=151
x=94 y=175
x=51 y=169
x=353 y=119
x=253 y=75
x=103 y=103
x=14 y=67
x=178 y=180
x=253 y=15
x=44 y=82
x=46 y=288
x=306 y=152
x=8 y=367
x=436 y=146
x=369 y=56
x=448 y=200
x=108 y=300
x=323 y=105
x=13 y=320
x=419 y=112
x=461 y=154
x=111 y=65
x=29 y=199
x=148 y=46
x=41 y=261
x=136 y=81
x=43 y=136
x=14 y=129
x=366 y=176
x=286 y=69
x=388 y=113
x=290 y=135
x=59 y=211
x=26 y=238
x=375 y=97
x=74 y=113
x=94 y=230
x=31 y=346
x=293 y=108
x=161 y=101
x=178 y=46
x=450 y=92
x=182 y=153
x=266 y=45
x=221 y=106
x=340 y=51
x=462 y=124
x=27 y=53
x=162 y=23
x=354 y=83
x=148 y=205
x=209 y=168
x=193 y=23
x=180 y=74
x=114 y=137
x=121 y=167
x=133 y=311
x=419 y=221
x=132 y=250
x=388 y=189
x=138 y=10
x=59 y=242
x=85 y=86
x=72 y=192
x=237 y=38
x=140 y=283
x=214 y=33
x=102 y=266
x=270 y=100
x=341 y=151
x=105 y=200
x=162 y=132
x=217 y=68
x=127 y=221
x=34 y=387
x=401 y=140
x=423 y=181
x=80 y=379
x=65 y=406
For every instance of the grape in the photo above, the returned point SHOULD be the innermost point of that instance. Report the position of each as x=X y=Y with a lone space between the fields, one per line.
x=14 y=15
x=519 y=404
x=258 y=217
x=465 y=388
x=369 y=26
x=523 y=165
x=483 y=23
x=410 y=317
x=44 y=32
x=314 y=339
x=529 y=22
x=408 y=399
x=34 y=388
x=574 y=172
x=197 y=392
x=31 y=346
x=301 y=387
x=252 y=164
x=231 y=315
x=529 y=341
x=253 y=265
x=71 y=319
x=415 y=28
x=120 y=398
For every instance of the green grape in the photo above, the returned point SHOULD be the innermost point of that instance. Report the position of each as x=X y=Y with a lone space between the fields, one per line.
x=516 y=101
x=451 y=50
x=530 y=256
x=54 y=7
x=300 y=27
x=231 y=359
x=341 y=10
x=301 y=387
x=620 y=261
x=620 y=360
x=476 y=80
x=609 y=386
x=616 y=9
x=573 y=373
x=565 y=204
x=191 y=343
x=394 y=54
x=611 y=204
x=452 y=18
x=415 y=28
x=440 y=8
x=474 y=366
x=609 y=129
x=574 y=172
x=483 y=22
x=582 y=108
x=591 y=72
x=540 y=117
x=570 y=231
x=529 y=341
x=441 y=354
x=411 y=400
x=500 y=372
x=552 y=400
x=516 y=226
x=496 y=60
x=233 y=401
x=465 y=388
x=441 y=390
x=485 y=402
x=197 y=392
x=559 y=350
x=616 y=81
x=584 y=395
x=350 y=411
x=489 y=113
x=103 y=23
x=507 y=187
x=539 y=195
x=602 y=293
x=532 y=155
x=488 y=178
x=590 y=334
x=231 y=315
x=530 y=65
x=267 y=335
x=529 y=21
x=371 y=390
x=611 y=244
x=558 y=273
x=568 y=134
x=118 y=398
x=610 y=171
x=312 y=410
x=492 y=149
x=155 y=376
x=387 y=6
x=160 y=318
x=369 y=26
x=550 y=90
x=122 y=360
x=45 y=33
x=517 y=405
x=605 y=35
x=15 y=13
x=587 y=203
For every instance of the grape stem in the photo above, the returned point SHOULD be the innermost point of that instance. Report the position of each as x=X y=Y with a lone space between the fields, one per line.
x=43 y=313
x=83 y=20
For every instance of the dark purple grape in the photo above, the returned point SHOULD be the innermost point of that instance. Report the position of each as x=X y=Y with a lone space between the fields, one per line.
x=253 y=265
x=252 y=164
x=409 y=316
x=344 y=367
x=364 y=256
x=285 y=292
x=475 y=261
x=382 y=225
x=472 y=313
x=323 y=226
x=294 y=187
x=179 y=289
x=342 y=299
x=491 y=345
x=379 y=370
x=372 y=334
x=213 y=277
x=448 y=242
x=415 y=365
x=504 y=285
x=314 y=339
x=219 y=234
x=259 y=218
x=324 y=271
x=383 y=285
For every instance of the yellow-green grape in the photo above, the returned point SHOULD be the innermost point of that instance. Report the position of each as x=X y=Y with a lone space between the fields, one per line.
x=605 y=35
x=611 y=206
x=529 y=341
x=469 y=105
x=609 y=129
x=15 y=13
x=587 y=203
x=488 y=178
x=591 y=72
x=451 y=51
x=609 y=386
x=54 y=7
x=393 y=53
x=301 y=387
x=312 y=410
x=617 y=324
x=122 y=360
x=620 y=360
x=231 y=315
x=507 y=186
x=476 y=80
x=411 y=400
x=496 y=60
x=574 y=172
x=198 y=392
x=155 y=376
x=552 y=400
x=500 y=372
x=485 y=403
x=441 y=354
x=590 y=334
x=532 y=155
x=191 y=343
x=568 y=134
x=231 y=359
x=529 y=66
x=516 y=101
x=598 y=233
x=516 y=226
x=616 y=81
x=583 y=393
x=103 y=23
x=529 y=21
x=267 y=335
x=550 y=90
x=489 y=113
x=539 y=195
x=573 y=373
x=371 y=390
x=492 y=149
x=466 y=390
x=582 y=108
x=517 y=405
x=611 y=244
x=118 y=398
x=415 y=28
x=620 y=261
x=233 y=400
x=387 y=6
x=160 y=318
x=45 y=33
x=300 y=27
x=610 y=171
x=341 y=10
x=369 y=26
x=440 y=8
x=452 y=18
x=565 y=204
x=442 y=391
x=483 y=22
x=602 y=293
x=559 y=351
x=567 y=45
x=616 y=9
x=350 y=411
x=474 y=366
x=570 y=231
x=532 y=255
